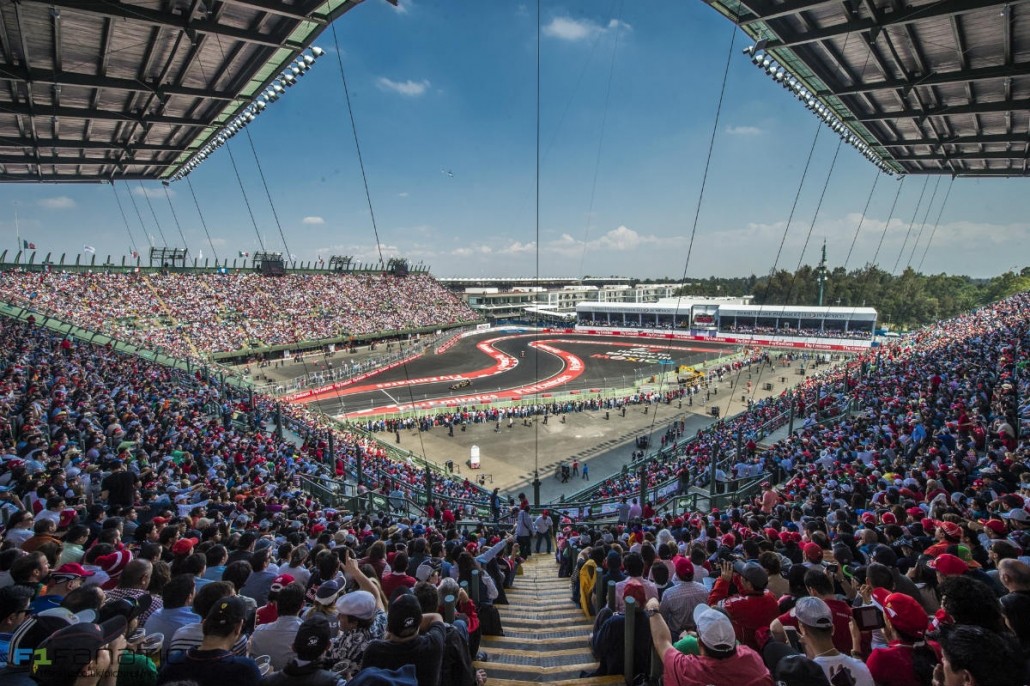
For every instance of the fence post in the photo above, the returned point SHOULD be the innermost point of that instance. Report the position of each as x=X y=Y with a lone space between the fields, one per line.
x=474 y=587
x=611 y=596
x=630 y=639
x=448 y=609
x=599 y=591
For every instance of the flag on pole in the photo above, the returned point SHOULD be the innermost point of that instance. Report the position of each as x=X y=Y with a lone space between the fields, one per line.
x=90 y=249
x=244 y=253
x=25 y=245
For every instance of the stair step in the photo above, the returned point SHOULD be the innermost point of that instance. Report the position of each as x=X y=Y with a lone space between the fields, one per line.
x=610 y=680
x=581 y=632
x=536 y=672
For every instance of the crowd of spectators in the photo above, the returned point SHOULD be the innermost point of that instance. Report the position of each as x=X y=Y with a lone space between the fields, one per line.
x=894 y=548
x=189 y=313
x=797 y=332
x=151 y=512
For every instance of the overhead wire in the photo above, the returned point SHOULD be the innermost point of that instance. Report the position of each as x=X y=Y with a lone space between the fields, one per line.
x=203 y=222
x=146 y=195
x=175 y=217
x=139 y=215
x=125 y=219
x=922 y=224
x=936 y=224
x=915 y=213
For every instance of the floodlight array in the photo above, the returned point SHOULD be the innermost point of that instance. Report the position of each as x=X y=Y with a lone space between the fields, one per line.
x=780 y=75
x=287 y=78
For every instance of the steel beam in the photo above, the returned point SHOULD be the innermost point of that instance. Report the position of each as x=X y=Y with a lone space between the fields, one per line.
x=105 y=115
x=149 y=17
x=908 y=15
x=83 y=161
x=936 y=79
x=18 y=73
x=975 y=108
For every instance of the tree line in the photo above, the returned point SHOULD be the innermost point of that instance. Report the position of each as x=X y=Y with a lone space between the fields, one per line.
x=910 y=299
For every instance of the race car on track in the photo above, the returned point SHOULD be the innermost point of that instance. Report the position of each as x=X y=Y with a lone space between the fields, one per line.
x=463 y=383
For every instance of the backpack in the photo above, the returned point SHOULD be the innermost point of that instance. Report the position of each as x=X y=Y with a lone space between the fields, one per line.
x=490 y=621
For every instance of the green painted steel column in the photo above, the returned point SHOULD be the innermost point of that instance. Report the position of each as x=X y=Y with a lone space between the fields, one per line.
x=630 y=636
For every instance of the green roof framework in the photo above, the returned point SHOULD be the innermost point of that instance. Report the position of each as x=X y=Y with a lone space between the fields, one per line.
x=932 y=86
x=108 y=90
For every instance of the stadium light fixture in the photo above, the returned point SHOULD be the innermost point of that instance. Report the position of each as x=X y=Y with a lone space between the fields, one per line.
x=260 y=102
x=778 y=72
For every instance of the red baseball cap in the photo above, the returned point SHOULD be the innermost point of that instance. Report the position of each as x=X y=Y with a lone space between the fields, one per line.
x=71 y=570
x=184 y=546
x=160 y=520
x=948 y=565
x=888 y=518
x=684 y=568
x=813 y=552
x=995 y=525
x=951 y=529
x=868 y=518
x=905 y=614
x=280 y=581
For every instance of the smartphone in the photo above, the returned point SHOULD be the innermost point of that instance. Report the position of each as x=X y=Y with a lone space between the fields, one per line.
x=793 y=638
x=867 y=617
x=832 y=568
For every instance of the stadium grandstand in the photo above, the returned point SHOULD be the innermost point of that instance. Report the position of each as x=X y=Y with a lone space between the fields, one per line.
x=163 y=524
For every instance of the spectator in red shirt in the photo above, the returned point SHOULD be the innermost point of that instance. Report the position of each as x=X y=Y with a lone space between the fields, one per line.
x=398 y=576
x=741 y=590
x=909 y=659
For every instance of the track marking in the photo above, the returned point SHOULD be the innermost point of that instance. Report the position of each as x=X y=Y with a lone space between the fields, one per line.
x=392 y=399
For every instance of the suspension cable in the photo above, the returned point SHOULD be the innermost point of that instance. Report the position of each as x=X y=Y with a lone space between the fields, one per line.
x=268 y=193
x=150 y=239
x=175 y=217
x=124 y=218
x=150 y=204
x=915 y=212
x=936 y=224
x=922 y=224
x=202 y=221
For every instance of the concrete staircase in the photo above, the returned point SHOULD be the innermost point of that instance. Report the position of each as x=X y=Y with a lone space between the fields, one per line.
x=546 y=638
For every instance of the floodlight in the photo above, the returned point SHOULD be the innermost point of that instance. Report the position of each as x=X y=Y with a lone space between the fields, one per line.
x=288 y=78
x=308 y=59
x=317 y=51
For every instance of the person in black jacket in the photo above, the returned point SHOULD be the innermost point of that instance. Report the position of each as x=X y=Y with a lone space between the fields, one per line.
x=457 y=669
x=310 y=644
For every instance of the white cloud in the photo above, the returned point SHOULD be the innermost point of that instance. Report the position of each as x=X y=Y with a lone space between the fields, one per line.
x=402 y=194
x=743 y=130
x=517 y=248
x=61 y=202
x=409 y=88
x=403 y=6
x=219 y=242
x=147 y=192
x=313 y=220
x=469 y=251
x=621 y=239
x=572 y=30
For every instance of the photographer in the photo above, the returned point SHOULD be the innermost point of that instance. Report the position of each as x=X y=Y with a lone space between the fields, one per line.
x=741 y=592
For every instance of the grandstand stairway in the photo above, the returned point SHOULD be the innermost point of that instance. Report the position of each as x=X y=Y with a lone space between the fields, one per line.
x=546 y=638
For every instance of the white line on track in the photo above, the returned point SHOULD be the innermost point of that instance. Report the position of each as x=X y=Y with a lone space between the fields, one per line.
x=392 y=399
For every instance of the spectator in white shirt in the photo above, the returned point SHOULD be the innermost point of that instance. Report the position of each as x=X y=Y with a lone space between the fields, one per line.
x=276 y=639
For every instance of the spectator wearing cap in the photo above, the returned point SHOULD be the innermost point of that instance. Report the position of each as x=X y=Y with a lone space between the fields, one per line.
x=324 y=603
x=609 y=640
x=61 y=582
x=909 y=659
x=192 y=635
x=361 y=619
x=679 y=600
x=259 y=583
x=741 y=592
x=268 y=612
x=135 y=582
x=82 y=654
x=975 y=656
x=175 y=613
x=817 y=625
x=412 y=638
x=212 y=663
x=721 y=663
x=633 y=564
x=14 y=610
x=276 y=638
x=26 y=638
x=819 y=586
x=309 y=645
x=945 y=534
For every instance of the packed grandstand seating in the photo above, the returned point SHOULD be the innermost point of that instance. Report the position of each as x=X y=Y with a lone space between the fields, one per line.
x=186 y=313
x=797 y=332
x=175 y=497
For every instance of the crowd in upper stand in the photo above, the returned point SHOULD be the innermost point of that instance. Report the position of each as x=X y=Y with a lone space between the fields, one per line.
x=893 y=548
x=183 y=313
x=137 y=497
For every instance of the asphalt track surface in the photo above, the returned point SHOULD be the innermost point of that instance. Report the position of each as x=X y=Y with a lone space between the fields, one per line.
x=509 y=367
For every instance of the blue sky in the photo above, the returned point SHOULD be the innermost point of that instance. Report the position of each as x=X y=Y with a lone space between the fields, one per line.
x=450 y=86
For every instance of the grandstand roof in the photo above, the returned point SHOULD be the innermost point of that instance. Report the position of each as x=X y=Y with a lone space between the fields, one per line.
x=94 y=90
x=934 y=86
